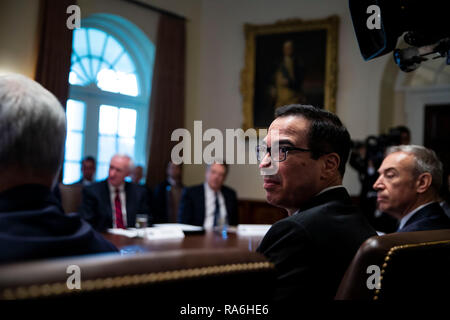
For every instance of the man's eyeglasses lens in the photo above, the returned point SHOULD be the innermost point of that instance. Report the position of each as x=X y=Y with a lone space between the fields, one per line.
x=262 y=150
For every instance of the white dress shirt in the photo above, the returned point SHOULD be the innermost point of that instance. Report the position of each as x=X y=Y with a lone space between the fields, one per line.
x=210 y=205
x=112 y=196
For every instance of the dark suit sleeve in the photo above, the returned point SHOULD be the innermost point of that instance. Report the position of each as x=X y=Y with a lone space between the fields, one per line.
x=89 y=207
x=159 y=204
x=233 y=212
x=288 y=246
x=144 y=205
x=186 y=208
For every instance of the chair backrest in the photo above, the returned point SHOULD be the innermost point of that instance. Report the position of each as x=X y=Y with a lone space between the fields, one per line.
x=411 y=265
x=71 y=196
x=158 y=279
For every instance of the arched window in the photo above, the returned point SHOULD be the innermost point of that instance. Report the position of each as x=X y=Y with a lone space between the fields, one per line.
x=110 y=85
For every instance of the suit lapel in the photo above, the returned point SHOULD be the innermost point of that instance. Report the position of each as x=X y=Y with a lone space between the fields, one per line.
x=130 y=204
x=202 y=204
x=106 y=202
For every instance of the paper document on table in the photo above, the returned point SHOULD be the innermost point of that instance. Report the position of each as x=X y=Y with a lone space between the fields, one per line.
x=253 y=229
x=167 y=232
x=130 y=233
x=182 y=226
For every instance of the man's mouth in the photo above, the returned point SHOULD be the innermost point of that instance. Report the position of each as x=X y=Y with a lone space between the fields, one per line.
x=270 y=182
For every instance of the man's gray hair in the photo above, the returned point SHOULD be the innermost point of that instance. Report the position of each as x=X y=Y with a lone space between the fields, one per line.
x=124 y=155
x=32 y=127
x=425 y=160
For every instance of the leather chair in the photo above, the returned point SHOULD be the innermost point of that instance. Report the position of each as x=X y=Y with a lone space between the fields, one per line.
x=165 y=279
x=71 y=196
x=412 y=265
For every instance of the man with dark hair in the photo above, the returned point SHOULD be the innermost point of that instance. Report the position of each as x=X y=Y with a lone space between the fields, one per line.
x=32 y=134
x=167 y=196
x=312 y=248
x=408 y=188
x=88 y=167
x=210 y=204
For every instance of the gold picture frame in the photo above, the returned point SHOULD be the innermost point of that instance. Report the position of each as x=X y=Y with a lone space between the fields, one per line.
x=266 y=82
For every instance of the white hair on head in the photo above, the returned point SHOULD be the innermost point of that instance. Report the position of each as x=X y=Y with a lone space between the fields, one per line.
x=32 y=126
x=124 y=155
x=425 y=160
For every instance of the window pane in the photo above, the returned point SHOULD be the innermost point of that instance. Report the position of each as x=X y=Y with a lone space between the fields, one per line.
x=126 y=145
x=127 y=122
x=75 y=79
x=96 y=41
x=102 y=171
x=113 y=50
x=81 y=75
x=106 y=148
x=117 y=81
x=75 y=115
x=95 y=65
x=72 y=172
x=125 y=64
x=108 y=120
x=74 y=144
x=128 y=84
x=85 y=62
x=80 y=42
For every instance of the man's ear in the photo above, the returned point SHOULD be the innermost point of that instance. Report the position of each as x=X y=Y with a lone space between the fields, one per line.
x=331 y=163
x=423 y=182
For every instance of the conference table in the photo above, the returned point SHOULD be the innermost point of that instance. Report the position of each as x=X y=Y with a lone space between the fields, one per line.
x=206 y=240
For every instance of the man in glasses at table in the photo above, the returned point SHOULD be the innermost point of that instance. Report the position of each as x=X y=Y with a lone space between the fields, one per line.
x=312 y=248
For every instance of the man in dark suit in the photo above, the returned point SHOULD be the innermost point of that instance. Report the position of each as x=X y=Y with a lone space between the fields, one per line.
x=114 y=203
x=303 y=162
x=210 y=204
x=408 y=188
x=167 y=196
x=88 y=167
x=32 y=223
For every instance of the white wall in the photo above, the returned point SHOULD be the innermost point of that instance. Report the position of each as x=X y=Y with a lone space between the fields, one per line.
x=19 y=36
x=215 y=58
x=222 y=59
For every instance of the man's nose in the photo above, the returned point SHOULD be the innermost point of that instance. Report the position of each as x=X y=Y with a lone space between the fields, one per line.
x=377 y=185
x=265 y=162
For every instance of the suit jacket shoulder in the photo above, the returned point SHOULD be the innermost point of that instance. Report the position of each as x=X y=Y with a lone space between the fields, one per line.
x=430 y=217
x=312 y=249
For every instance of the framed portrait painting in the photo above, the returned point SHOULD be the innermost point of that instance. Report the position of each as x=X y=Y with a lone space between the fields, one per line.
x=291 y=61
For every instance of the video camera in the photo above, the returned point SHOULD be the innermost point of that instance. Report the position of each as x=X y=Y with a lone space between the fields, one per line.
x=424 y=25
x=375 y=146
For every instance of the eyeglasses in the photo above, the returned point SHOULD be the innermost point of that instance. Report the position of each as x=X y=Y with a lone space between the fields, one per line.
x=262 y=150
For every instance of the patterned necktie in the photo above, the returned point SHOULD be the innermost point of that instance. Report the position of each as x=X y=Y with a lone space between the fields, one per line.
x=217 y=211
x=118 y=205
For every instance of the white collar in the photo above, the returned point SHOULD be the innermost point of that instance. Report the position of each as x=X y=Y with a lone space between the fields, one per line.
x=112 y=189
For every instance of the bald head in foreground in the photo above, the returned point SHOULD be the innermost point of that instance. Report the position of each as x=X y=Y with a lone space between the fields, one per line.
x=32 y=135
x=312 y=248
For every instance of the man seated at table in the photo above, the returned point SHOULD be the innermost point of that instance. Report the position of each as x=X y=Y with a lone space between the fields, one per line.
x=168 y=194
x=210 y=204
x=303 y=163
x=32 y=135
x=114 y=203
x=408 y=188
x=88 y=167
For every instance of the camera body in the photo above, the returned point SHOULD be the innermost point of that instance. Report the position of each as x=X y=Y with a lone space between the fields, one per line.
x=423 y=25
